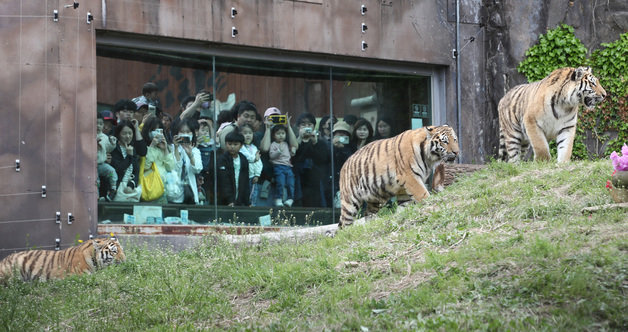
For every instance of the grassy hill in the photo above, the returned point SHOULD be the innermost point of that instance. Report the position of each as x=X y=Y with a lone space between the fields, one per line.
x=504 y=248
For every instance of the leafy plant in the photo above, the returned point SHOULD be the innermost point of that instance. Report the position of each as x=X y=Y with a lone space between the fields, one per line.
x=611 y=67
x=558 y=48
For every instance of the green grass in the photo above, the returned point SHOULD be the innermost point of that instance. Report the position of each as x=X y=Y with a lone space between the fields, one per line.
x=505 y=248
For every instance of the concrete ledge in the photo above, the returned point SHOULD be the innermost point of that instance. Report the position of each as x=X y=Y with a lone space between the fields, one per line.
x=178 y=242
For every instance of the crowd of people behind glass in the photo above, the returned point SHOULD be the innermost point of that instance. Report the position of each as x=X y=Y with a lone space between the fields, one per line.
x=244 y=159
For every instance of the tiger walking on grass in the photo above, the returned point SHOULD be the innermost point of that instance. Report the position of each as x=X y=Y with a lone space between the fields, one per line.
x=535 y=113
x=395 y=166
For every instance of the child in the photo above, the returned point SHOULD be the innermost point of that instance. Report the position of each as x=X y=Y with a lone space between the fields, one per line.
x=253 y=155
x=105 y=144
x=205 y=140
x=280 y=154
x=232 y=173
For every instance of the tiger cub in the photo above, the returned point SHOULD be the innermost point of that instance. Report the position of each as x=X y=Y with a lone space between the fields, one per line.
x=535 y=113
x=395 y=166
x=49 y=264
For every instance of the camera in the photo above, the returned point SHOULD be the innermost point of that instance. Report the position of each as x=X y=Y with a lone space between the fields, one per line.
x=209 y=94
x=278 y=119
x=343 y=139
x=307 y=130
x=158 y=133
x=185 y=138
x=152 y=109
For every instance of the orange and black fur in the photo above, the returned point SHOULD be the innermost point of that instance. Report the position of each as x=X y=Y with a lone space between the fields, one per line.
x=535 y=113
x=395 y=166
x=49 y=264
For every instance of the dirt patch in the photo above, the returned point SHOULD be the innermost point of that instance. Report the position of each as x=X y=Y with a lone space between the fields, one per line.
x=246 y=309
x=387 y=287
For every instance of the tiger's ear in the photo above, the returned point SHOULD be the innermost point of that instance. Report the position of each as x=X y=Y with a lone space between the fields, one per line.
x=429 y=130
x=579 y=72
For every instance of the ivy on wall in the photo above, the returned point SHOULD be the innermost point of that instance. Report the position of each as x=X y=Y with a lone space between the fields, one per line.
x=558 y=48
x=611 y=67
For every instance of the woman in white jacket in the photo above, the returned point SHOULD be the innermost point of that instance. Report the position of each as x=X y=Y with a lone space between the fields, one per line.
x=188 y=163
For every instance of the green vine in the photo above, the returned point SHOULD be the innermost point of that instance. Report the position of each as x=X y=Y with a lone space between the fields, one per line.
x=558 y=48
x=611 y=67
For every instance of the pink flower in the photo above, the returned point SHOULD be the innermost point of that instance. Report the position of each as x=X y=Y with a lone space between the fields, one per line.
x=620 y=163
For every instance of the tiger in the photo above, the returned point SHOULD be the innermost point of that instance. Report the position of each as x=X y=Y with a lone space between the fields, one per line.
x=535 y=113
x=395 y=166
x=44 y=265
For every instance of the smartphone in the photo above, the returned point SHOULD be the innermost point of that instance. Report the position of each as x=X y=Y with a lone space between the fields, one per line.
x=278 y=119
x=152 y=109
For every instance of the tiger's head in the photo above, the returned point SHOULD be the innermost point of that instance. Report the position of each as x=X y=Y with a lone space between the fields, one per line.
x=108 y=251
x=590 y=91
x=443 y=143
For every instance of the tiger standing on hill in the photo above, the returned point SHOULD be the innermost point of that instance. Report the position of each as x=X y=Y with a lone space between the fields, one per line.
x=44 y=265
x=395 y=166
x=534 y=113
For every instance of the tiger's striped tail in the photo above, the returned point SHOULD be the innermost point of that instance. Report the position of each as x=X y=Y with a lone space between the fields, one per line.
x=502 y=154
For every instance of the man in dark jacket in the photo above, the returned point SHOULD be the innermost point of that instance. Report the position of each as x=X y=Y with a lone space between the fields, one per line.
x=232 y=173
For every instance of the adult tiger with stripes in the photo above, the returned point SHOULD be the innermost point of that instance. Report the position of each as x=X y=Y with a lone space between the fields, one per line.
x=394 y=166
x=44 y=265
x=538 y=112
